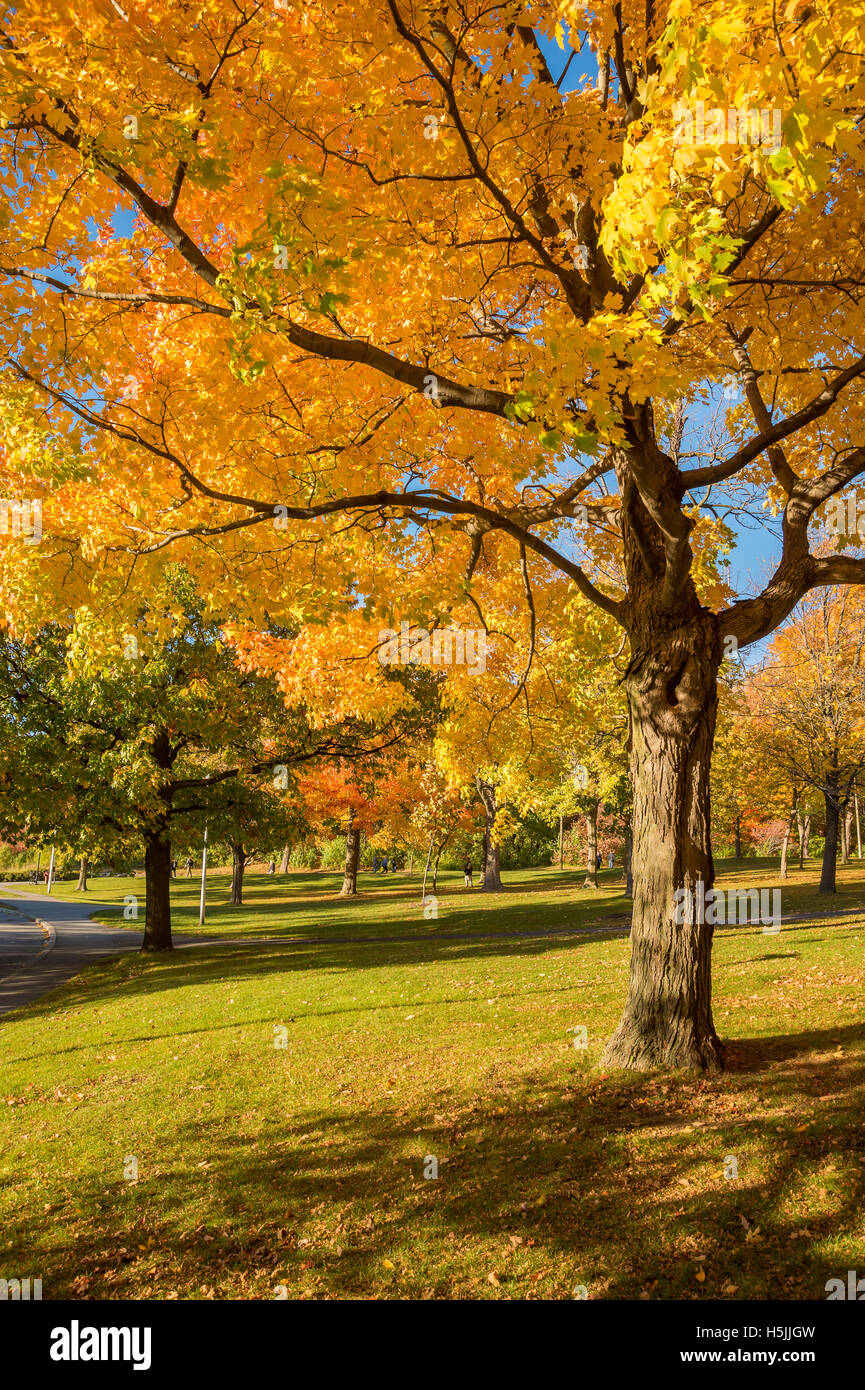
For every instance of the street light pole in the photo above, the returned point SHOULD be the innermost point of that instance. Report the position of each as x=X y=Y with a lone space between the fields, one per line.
x=50 y=871
x=201 y=905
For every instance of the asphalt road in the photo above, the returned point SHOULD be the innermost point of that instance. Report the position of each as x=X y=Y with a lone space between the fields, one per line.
x=35 y=959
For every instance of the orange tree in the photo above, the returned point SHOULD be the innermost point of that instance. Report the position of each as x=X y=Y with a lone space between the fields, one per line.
x=306 y=292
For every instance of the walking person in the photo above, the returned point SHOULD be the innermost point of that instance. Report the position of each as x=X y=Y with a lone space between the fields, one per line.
x=467 y=870
x=189 y=866
x=375 y=861
x=174 y=868
x=384 y=864
x=611 y=859
x=271 y=868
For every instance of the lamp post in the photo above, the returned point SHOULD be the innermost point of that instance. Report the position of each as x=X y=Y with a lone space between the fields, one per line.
x=50 y=871
x=201 y=906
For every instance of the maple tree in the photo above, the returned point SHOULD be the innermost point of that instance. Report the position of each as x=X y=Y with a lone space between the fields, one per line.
x=808 y=703
x=329 y=303
x=150 y=737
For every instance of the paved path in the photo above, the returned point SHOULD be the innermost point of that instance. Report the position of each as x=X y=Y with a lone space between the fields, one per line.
x=35 y=959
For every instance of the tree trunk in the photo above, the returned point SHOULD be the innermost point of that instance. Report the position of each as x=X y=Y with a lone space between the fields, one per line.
x=800 y=830
x=561 y=842
x=672 y=696
x=238 y=863
x=858 y=826
x=81 y=886
x=426 y=871
x=157 y=882
x=737 y=836
x=436 y=870
x=847 y=837
x=785 y=843
x=283 y=863
x=352 y=858
x=629 y=863
x=807 y=834
x=492 y=879
x=592 y=847
x=830 y=849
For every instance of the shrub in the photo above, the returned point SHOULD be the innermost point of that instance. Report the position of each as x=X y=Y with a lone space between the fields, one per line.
x=304 y=856
x=332 y=853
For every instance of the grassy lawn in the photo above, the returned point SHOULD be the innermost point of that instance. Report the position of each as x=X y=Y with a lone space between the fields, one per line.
x=306 y=903
x=262 y=1166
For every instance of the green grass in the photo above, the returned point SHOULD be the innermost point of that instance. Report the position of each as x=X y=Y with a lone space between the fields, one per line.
x=303 y=1167
x=306 y=903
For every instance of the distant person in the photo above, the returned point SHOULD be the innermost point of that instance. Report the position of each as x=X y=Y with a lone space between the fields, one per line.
x=189 y=866
x=384 y=864
x=271 y=868
x=375 y=861
x=174 y=868
x=611 y=859
x=393 y=863
x=598 y=860
x=467 y=870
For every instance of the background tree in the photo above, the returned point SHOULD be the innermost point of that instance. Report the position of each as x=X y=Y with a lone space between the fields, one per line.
x=809 y=705
x=442 y=340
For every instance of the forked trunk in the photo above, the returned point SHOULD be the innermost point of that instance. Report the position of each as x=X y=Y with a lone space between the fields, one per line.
x=238 y=863
x=672 y=697
x=157 y=881
x=352 y=859
x=81 y=886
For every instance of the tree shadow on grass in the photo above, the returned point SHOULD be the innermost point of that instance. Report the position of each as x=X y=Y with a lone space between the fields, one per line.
x=618 y=1186
x=226 y=962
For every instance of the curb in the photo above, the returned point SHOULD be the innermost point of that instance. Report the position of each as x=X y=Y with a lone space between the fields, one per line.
x=51 y=936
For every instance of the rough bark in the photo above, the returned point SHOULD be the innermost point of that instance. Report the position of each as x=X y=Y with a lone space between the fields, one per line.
x=592 y=847
x=672 y=695
x=830 y=849
x=157 y=881
x=629 y=863
x=81 y=886
x=491 y=881
x=352 y=859
x=238 y=864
